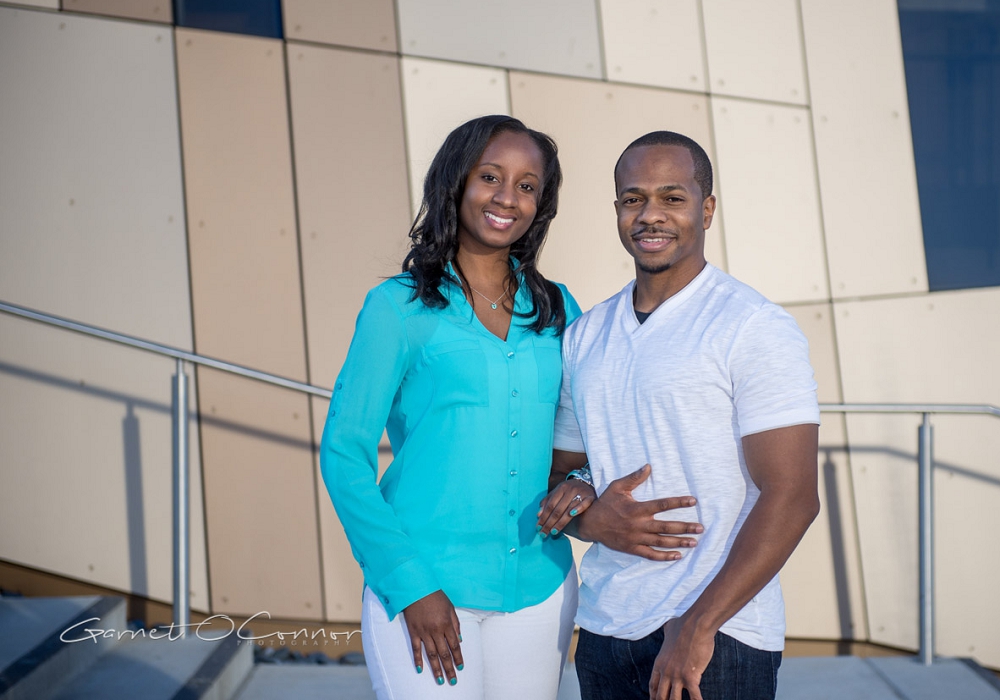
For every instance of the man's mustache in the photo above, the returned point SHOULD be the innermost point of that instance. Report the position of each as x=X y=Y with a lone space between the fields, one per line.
x=652 y=230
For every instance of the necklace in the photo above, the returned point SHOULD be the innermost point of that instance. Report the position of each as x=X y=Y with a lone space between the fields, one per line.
x=493 y=304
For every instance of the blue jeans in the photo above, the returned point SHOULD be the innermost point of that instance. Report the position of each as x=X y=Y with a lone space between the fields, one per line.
x=615 y=669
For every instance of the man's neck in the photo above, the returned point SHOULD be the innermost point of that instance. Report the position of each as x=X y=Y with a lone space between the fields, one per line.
x=652 y=289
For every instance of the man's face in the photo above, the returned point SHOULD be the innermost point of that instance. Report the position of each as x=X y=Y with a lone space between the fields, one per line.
x=662 y=215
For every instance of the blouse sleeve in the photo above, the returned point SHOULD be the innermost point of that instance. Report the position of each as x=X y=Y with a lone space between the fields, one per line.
x=373 y=371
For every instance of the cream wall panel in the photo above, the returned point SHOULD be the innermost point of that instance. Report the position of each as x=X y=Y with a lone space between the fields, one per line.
x=774 y=238
x=634 y=46
x=91 y=205
x=350 y=160
x=241 y=211
x=367 y=24
x=437 y=97
x=558 y=36
x=822 y=580
x=592 y=122
x=755 y=49
x=917 y=349
x=150 y=10
x=85 y=449
x=259 y=486
x=864 y=150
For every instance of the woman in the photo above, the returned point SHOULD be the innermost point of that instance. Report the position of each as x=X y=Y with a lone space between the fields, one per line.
x=458 y=359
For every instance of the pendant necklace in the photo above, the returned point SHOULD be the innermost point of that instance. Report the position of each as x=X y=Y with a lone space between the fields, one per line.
x=493 y=304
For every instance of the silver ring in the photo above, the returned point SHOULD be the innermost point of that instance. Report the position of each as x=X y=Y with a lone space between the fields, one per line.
x=575 y=498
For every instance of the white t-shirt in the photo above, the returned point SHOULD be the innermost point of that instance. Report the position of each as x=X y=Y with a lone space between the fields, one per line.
x=715 y=362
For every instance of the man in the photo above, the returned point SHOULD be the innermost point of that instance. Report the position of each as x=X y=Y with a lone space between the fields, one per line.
x=702 y=380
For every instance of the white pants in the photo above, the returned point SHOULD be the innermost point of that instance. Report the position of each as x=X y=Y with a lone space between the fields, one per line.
x=508 y=656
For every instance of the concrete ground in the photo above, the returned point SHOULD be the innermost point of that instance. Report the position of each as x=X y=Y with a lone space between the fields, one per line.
x=802 y=678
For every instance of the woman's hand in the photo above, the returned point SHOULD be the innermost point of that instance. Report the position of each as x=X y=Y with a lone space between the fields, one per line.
x=567 y=500
x=434 y=629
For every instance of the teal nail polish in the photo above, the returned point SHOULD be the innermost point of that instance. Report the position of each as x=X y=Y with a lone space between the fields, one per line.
x=452 y=681
x=538 y=528
x=572 y=512
x=440 y=680
x=460 y=667
x=420 y=669
x=460 y=638
x=554 y=531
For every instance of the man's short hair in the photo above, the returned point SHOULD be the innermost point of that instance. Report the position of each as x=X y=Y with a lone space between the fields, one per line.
x=702 y=165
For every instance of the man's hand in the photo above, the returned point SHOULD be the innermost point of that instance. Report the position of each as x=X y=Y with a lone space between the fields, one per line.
x=618 y=521
x=684 y=656
x=434 y=628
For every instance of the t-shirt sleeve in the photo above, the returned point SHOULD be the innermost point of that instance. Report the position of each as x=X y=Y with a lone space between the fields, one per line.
x=567 y=435
x=773 y=384
x=373 y=371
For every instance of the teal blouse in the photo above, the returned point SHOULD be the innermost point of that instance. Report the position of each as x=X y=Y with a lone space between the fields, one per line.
x=470 y=420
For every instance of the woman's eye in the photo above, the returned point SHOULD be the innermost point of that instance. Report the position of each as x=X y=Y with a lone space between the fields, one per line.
x=527 y=188
x=490 y=178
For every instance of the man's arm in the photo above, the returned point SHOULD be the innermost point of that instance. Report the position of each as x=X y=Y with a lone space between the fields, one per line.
x=782 y=463
x=618 y=521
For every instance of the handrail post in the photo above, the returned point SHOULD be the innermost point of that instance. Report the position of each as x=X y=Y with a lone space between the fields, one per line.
x=182 y=574
x=926 y=524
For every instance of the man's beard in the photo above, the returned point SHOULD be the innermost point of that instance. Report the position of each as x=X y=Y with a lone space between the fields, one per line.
x=654 y=269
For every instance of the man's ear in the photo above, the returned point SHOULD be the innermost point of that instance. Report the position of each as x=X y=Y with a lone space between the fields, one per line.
x=708 y=207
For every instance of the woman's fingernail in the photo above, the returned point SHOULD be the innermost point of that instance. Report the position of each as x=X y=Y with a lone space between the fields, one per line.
x=420 y=669
x=554 y=531
x=460 y=666
x=573 y=512
x=440 y=680
x=453 y=681
x=538 y=528
x=460 y=637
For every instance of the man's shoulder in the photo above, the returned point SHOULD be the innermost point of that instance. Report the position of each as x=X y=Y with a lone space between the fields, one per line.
x=597 y=316
x=736 y=301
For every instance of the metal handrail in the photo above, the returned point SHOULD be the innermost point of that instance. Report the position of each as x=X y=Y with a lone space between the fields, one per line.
x=166 y=350
x=181 y=588
x=179 y=410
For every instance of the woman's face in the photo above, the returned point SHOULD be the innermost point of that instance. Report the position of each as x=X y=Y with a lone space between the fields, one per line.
x=501 y=194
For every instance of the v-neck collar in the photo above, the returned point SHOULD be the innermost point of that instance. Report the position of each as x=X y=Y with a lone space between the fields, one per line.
x=522 y=301
x=664 y=309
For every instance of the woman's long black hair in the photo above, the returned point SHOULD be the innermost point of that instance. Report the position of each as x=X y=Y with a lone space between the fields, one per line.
x=434 y=233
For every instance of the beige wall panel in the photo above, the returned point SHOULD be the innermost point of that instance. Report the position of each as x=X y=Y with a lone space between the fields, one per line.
x=260 y=490
x=366 y=24
x=592 y=122
x=917 y=349
x=822 y=580
x=52 y=4
x=85 y=449
x=350 y=160
x=755 y=49
x=634 y=46
x=91 y=205
x=774 y=238
x=437 y=97
x=342 y=576
x=150 y=10
x=868 y=182
x=557 y=36
x=241 y=212
x=354 y=223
